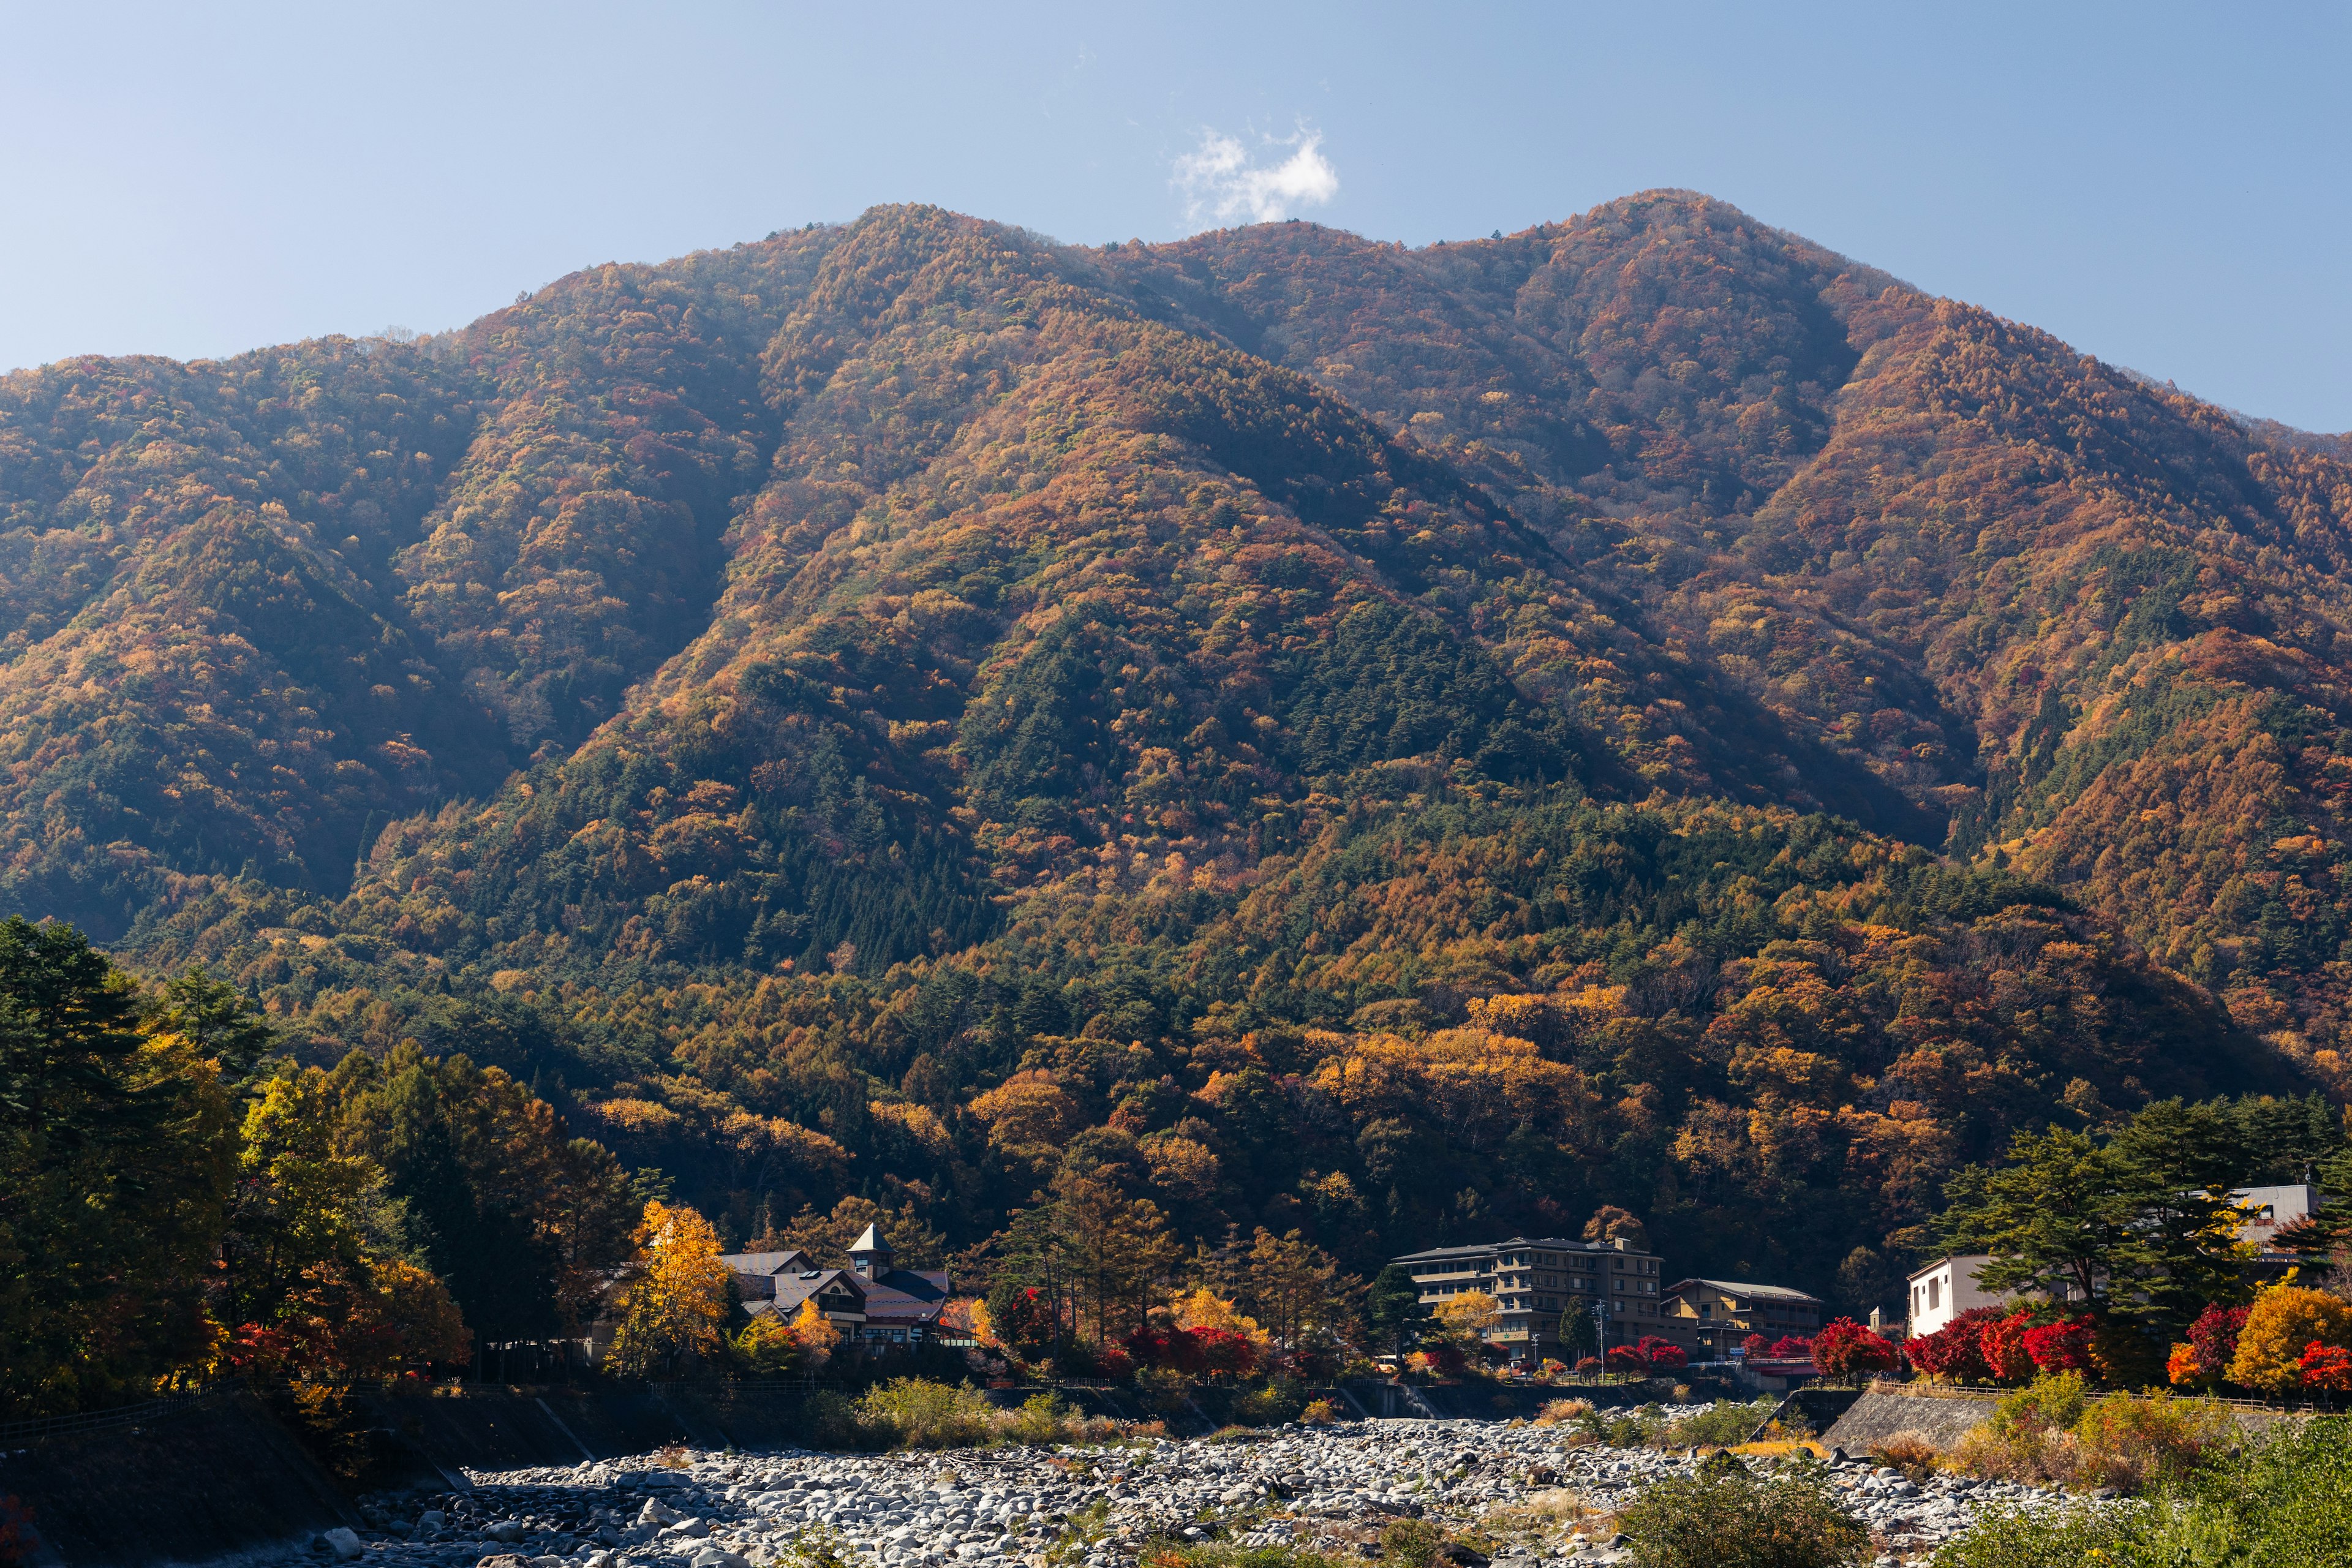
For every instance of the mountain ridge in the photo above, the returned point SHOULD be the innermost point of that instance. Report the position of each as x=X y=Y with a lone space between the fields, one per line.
x=824 y=700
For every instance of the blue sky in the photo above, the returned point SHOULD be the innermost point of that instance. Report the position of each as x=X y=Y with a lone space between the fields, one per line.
x=2168 y=188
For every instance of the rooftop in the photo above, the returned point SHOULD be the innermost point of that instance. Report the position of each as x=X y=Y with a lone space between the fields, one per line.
x=1743 y=1288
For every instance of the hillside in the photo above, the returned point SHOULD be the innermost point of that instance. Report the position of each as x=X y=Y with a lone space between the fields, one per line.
x=1388 y=742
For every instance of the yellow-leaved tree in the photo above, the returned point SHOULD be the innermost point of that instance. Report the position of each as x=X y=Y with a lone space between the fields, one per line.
x=1469 y=1315
x=678 y=1302
x=814 y=1333
x=2283 y=1320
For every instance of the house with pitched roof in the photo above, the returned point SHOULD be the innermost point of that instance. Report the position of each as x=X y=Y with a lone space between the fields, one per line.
x=873 y=1302
x=1710 y=1319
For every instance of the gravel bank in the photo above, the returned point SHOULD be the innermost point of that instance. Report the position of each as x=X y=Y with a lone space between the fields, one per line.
x=1528 y=1496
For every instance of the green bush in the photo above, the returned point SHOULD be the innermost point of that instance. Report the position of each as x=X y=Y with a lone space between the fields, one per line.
x=1041 y=1421
x=1280 y=1401
x=1733 y=1520
x=1411 y=1543
x=2011 y=1537
x=2286 y=1504
x=917 y=1413
x=1718 y=1425
x=2051 y=1431
x=833 y=1423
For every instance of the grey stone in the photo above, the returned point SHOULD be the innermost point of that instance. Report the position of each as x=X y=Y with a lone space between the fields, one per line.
x=343 y=1541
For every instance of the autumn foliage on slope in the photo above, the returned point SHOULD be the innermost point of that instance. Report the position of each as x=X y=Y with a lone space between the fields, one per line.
x=1326 y=735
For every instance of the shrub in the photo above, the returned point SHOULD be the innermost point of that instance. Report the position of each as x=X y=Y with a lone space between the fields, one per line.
x=1411 y=1543
x=1846 y=1349
x=1909 y=1452
x=2017 y=1538
x=2288 y=1502
x=1041 y=1421
x=1730 y=1517
x=1557 y=1411
x=2051 y=1432
x=1589 y=1364
x=832 y=1424
x=1268 y=1406
x=2282 y=1322
x=1718 y=1425
x=2031 y=1436
x=1627 y=1359
x=1319 y=1413
x=2135 y=1442
x=919 y=1412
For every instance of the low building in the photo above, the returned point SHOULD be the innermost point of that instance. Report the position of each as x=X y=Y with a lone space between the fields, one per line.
x=872 y=1302
x=1537 y=1282
x=1710 y=1319
x=1944 y=1290
x=2267 y=1211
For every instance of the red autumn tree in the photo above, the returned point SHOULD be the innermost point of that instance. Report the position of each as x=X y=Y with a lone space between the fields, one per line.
x=1664 y=1355
x=1955 y=1352
x=2327 y=1368
x=2213 y=1341
x=2061 y=1346
x=1845 y=1349
x=2002 y=1341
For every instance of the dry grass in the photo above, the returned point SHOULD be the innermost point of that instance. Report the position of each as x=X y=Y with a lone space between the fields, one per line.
x=1560 y=1412
x=1909 y=1452
x=673 y=1457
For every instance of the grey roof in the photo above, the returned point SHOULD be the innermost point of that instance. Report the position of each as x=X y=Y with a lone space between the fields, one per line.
x=791 y=1259
x=1742 y=1288
x=869 y=1242
x=791 y=1290
x=1550 y=1243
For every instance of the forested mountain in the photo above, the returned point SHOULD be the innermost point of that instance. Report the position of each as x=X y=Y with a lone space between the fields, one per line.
x=1393 y=743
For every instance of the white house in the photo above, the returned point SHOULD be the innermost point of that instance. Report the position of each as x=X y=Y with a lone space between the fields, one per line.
x=2267 y=1209
x=1946 y=1288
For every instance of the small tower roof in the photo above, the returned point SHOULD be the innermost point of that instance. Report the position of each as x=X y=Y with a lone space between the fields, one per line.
x=870 y=1242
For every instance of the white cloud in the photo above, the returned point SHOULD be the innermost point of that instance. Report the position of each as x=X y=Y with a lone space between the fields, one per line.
x=1223 y=182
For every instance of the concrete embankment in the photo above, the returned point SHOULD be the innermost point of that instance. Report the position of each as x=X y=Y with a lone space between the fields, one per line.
x=219 y=1477
x=1943 y=1415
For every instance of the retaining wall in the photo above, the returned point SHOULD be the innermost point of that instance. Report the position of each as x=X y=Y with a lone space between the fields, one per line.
x=1943 y=1415
x=218 y=1477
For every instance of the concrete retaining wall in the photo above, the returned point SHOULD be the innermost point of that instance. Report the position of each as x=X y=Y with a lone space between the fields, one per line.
x=220 y=1477
x=1943 y=1416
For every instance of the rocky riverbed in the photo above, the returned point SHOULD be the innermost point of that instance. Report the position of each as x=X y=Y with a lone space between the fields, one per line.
x=1526 y=1497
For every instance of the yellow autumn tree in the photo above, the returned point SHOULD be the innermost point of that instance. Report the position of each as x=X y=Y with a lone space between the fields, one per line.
x=1204 y=1309
x=814 y=1333
x=677 y=1304
x=1469 y=1315
x=2283 y=1321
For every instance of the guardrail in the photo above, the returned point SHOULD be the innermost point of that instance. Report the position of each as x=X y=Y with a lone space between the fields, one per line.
x=40 y=1428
